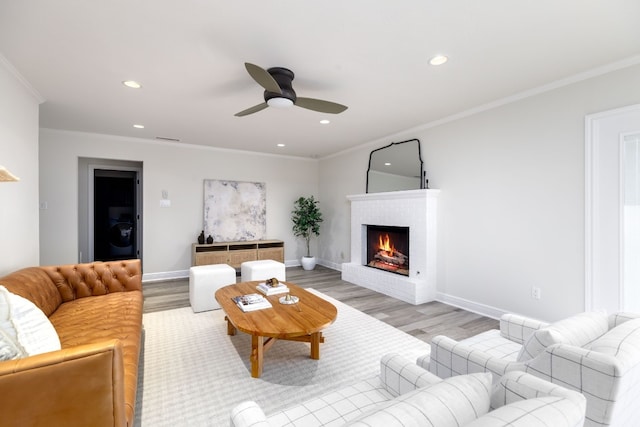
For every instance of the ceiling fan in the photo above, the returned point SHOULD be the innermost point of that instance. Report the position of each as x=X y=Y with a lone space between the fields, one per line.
x=278 y=92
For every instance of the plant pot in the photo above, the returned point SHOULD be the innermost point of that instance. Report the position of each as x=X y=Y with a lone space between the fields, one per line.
x=308 y=262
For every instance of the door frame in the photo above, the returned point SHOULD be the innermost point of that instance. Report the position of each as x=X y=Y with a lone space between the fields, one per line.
x=602 y=259
x=90 y=209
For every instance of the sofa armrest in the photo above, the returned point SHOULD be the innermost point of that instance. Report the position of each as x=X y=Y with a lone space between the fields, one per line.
x=518 y=328
x=248 y=414
x=515 y=386
x=616 y=319
x=577 y=368
x=76 y=386
x=450 y=358
x=399 y=375
x=423 y=361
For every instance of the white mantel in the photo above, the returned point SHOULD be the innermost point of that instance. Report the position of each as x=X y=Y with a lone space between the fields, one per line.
x=416 y=209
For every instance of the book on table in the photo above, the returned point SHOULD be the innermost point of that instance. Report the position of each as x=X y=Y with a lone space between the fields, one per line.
x=280 y=288
x=251 y=302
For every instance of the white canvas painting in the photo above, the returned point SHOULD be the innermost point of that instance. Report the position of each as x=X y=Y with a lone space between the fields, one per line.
x=234 y=210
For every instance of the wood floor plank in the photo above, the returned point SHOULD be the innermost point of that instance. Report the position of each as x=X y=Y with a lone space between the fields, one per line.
x=423 y=321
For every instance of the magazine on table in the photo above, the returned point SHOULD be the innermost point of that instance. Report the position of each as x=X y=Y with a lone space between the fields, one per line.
x=251 y=302
x=280 y=288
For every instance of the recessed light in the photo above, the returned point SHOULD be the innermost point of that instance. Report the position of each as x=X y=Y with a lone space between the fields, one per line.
x=138 y=126
x=132 y=84
x=438 y=60
x=280 y=145
x=324 y=122
x=387 y=164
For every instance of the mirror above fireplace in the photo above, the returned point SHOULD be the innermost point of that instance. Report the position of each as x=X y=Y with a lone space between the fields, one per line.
x=396 y=167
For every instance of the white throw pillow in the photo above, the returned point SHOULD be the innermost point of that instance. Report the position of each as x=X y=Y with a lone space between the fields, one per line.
x=578 y=330
x=23 y=323
x=454 y=402
x=9 y=348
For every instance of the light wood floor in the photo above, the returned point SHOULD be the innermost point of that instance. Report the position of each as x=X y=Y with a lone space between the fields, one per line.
x=422 y=321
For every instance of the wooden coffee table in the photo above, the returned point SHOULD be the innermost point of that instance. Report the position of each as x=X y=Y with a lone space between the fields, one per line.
x=303 y=321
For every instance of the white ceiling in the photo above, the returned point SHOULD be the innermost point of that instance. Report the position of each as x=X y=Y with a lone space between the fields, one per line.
x=370 y=55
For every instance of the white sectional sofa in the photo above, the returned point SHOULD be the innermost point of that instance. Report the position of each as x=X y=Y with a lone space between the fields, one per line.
x=404 y=394
x=591 y=353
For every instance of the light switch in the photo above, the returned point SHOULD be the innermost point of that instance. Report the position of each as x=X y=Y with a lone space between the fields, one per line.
x=165 y=203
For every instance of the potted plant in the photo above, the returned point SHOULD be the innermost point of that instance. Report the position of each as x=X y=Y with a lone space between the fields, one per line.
x=306 y=217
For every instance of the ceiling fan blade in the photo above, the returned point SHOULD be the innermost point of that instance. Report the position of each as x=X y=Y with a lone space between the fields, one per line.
x=320 y=105
x=263 y=78
x=252 y=110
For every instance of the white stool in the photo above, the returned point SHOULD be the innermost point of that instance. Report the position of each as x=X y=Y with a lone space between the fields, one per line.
x=204 y=281
x=262 y=270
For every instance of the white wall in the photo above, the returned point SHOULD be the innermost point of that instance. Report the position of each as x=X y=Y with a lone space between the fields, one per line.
x=512 y=203
x=19 y=231
x=168 y=233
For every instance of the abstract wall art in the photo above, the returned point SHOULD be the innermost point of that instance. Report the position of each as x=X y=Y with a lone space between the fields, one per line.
x=235 y=210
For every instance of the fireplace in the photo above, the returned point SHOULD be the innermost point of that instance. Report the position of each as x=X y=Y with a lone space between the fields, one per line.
x=388 y=248
x=410 y=211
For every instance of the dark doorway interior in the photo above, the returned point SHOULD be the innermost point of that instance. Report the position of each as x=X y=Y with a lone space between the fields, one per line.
x=115 y=215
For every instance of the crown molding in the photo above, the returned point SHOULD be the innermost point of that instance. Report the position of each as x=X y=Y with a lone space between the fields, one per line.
x=4 y=62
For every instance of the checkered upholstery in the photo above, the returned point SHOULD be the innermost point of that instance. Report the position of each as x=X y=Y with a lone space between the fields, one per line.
x=519 y=400
x=518 y=328
x=605 y=370
x=397 y=376
x=578 y=330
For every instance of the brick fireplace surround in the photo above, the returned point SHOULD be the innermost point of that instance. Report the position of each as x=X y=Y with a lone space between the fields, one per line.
x=416 y=209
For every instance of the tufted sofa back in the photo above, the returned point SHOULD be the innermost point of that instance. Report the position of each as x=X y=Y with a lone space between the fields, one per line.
x=49 y=286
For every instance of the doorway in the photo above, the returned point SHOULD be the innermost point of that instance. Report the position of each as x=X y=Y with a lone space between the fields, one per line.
x=612 y=194
x=109 y=209
x=114 y=214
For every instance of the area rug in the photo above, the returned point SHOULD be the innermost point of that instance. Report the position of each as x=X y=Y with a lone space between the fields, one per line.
x=193 y=373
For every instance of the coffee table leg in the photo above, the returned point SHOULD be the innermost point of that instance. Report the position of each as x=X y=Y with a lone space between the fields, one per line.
x=231 y=330
x=257 y=355
x=316 y=338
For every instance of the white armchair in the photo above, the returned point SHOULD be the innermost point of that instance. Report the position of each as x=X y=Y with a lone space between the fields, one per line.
x=594 y=354
x=405 y=394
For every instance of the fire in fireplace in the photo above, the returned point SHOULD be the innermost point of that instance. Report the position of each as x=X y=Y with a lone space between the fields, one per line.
x=388 y=248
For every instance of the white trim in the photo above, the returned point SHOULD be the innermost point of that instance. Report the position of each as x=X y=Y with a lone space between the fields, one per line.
x=165 y=275
x=331 y=265
x=592 y=196
x=622 y=231
x=474 y=307
x=158 y=142
x=590 y=170
x=392 y=195
x=621 y=186
x=576 y=78
x=15 y=73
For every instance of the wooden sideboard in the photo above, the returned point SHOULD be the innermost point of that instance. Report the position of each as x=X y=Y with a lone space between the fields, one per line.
x=235 y=253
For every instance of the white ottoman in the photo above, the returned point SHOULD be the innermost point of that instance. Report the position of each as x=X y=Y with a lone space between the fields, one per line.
x=204 y=281
x=262 y=270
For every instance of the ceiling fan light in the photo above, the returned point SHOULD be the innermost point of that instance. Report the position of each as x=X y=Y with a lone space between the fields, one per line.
x=279 y=102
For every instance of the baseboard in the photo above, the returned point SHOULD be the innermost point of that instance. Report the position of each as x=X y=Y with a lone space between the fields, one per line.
x=331 y=265
x=474 y=307
x=328 y=264
x=292 y=263
x=184 y=274
x=165 y=275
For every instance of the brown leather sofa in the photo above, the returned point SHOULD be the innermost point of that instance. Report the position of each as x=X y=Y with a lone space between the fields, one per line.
x=96 y=309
